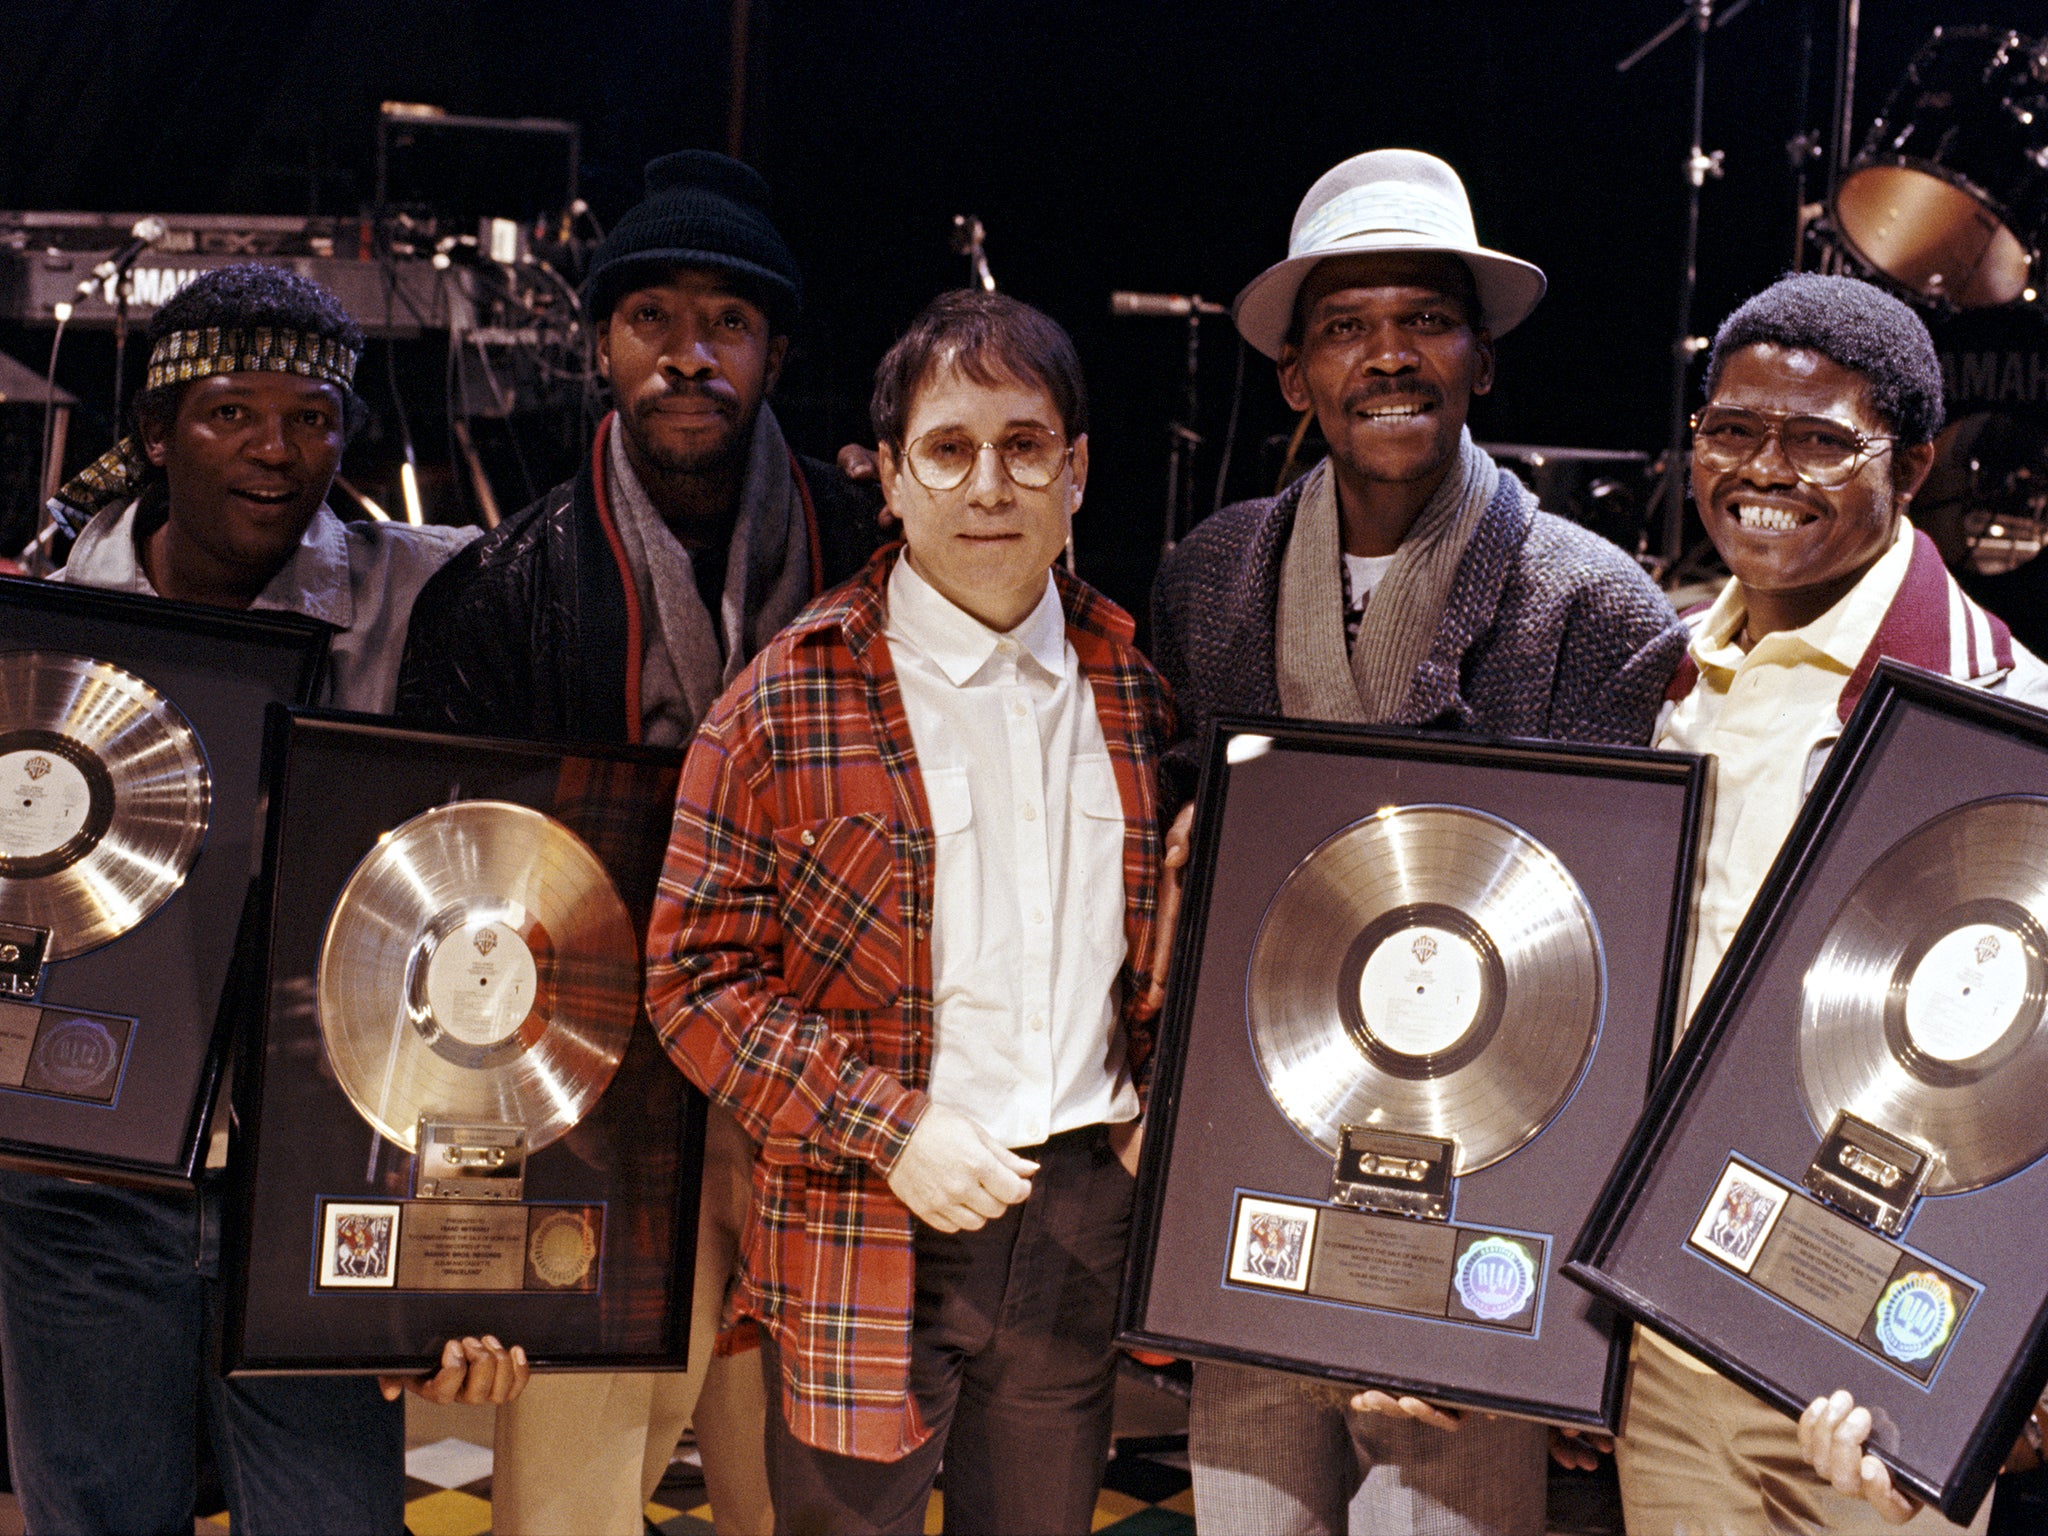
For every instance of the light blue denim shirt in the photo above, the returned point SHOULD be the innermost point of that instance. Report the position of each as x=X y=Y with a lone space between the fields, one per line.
x=361 y=578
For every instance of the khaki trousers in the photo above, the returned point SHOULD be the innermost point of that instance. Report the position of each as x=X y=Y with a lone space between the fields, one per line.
x=580 y=1454
x=1699 y=1456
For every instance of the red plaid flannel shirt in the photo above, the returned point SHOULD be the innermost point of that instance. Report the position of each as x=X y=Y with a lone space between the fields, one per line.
x=789 y=973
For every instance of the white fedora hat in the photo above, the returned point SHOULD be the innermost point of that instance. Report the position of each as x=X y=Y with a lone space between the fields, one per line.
x=1386 y=200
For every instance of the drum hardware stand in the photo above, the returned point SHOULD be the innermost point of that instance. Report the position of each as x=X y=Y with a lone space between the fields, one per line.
x=1805 y=149
x=1699 y=165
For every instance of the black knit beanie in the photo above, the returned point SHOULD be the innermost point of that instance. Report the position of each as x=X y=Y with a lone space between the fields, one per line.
x=702 y=209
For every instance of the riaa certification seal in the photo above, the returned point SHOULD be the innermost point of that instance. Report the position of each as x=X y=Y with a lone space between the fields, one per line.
x=1915 y=1315
x=561 y=1249
x=1495 y=1278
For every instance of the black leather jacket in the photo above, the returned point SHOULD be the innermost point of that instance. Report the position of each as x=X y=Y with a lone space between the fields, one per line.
x=523 y=633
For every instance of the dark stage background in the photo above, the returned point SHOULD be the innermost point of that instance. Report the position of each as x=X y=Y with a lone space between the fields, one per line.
x=1108 y=145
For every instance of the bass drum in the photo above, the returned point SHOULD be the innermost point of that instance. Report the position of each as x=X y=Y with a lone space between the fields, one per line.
x=1949 y=195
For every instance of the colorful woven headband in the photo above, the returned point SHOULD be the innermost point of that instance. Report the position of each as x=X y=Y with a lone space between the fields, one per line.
x=183 y=356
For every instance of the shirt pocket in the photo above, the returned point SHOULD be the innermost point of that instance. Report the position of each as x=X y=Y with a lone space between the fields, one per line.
x=951 y=802
x=842 y=929
x=1097 y=859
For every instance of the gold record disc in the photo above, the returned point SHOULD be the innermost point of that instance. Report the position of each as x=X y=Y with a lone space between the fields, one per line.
x=104 y=794
x=480 y=967
x=1922 y=1012
x=1432 y=970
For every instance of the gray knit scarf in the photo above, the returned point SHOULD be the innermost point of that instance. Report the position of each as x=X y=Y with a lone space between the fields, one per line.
x=767 y=579
x=1371 y=685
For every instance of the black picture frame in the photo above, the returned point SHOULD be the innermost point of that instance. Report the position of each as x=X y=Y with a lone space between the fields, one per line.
x=337 y=783
x=1916 y=747
x=164 y=988
x=1625 y=822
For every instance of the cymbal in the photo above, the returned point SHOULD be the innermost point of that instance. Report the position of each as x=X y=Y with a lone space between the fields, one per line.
x=479 y=966
x=1430 y=969
x=104 y=797
x=1922 y=1012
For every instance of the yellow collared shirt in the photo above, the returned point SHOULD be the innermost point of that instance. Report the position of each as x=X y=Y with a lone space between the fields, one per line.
x=1761 y=713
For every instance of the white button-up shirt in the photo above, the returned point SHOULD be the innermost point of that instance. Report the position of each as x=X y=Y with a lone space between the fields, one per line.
x=1028 y=880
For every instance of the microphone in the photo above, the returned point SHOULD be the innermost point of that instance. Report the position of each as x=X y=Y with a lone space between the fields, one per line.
x=1163 y=305
x=147 y=231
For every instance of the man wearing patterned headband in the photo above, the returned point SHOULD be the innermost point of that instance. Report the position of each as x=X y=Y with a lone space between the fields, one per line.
x=219 y=495
x=218 y=498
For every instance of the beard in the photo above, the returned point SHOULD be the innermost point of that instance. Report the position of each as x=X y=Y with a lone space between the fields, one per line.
x=730 y=448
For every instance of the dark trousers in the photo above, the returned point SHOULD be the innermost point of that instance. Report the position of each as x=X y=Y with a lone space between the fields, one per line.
x=105 y=1297
x=1010 y=1363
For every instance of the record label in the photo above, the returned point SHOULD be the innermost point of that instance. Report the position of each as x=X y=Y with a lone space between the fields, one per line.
x=1419 y=991
x=1966 y=991
x=481 y=982
x=44 y=803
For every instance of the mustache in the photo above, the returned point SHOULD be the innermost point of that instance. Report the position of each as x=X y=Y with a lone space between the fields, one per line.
x=1383 y=389
x=689 y=389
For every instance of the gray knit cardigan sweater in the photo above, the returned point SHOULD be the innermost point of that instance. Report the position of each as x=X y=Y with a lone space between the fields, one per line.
x=1549 y=631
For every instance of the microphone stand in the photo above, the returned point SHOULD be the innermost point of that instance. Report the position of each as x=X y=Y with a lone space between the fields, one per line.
x=1699 y=165
x=124 y=289
x=1182 y=439
x=970 y=239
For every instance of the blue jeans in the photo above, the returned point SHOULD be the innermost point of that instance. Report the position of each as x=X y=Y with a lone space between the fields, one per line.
x=106 y=1339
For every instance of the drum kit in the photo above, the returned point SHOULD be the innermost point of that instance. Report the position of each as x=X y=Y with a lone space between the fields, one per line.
x=1946 y=203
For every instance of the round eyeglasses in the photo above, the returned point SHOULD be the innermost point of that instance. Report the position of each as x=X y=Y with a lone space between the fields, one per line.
x=944 y=457
x=1821 y=451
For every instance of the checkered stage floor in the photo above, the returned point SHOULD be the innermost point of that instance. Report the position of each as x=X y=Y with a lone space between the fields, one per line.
x=1146 y=1493
x=448 y=1492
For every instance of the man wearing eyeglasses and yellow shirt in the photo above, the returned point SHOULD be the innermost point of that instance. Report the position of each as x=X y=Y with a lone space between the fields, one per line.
x=1823 y=398
x=905 y=934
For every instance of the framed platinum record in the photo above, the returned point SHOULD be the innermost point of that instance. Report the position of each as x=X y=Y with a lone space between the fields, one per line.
x=453 y=1116
x=1840 y=1181
x=131 y=734
x=1420 y=989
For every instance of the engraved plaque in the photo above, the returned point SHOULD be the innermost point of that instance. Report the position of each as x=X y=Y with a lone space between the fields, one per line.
x=451 y=1246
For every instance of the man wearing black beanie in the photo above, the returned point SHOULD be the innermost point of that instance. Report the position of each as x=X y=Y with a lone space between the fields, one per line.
x=618 y=607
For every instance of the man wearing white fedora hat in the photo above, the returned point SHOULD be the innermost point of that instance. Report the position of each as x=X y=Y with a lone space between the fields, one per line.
x=1405 y=580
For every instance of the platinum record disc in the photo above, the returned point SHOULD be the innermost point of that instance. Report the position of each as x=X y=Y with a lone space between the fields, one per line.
x=1922 y=1012
x=1432 y=970
x=104 y=795
x=479 y=966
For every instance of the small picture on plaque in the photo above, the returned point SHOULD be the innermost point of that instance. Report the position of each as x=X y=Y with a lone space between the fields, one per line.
x=1745 y=1207
x=1271 y=1244
x=359 y=1244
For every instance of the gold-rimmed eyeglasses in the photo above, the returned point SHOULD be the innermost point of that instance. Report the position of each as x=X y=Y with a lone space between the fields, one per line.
x=1821 y=451
x=944 y=457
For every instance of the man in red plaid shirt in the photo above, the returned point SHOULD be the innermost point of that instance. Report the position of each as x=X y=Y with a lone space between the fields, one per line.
x=905 y=934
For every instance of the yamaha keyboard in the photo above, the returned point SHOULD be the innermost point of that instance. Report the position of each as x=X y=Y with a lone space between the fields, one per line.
x=45 y=255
